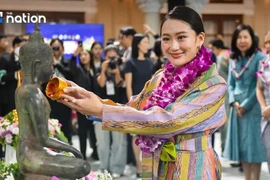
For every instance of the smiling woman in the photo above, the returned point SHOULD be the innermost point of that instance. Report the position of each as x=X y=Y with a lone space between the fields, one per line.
x=176 y=112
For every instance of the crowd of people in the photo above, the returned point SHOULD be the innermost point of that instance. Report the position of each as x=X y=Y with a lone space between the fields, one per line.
x=118 y=72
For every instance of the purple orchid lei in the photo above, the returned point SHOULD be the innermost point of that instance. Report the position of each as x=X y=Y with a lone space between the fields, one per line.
x=174 y=82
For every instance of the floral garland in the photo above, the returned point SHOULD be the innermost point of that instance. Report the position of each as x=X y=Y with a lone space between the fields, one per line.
x=264 y=64
x=174 y=82
x=244 y=68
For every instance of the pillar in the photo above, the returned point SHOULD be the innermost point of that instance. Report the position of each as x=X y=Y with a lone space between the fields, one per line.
x=151 y=8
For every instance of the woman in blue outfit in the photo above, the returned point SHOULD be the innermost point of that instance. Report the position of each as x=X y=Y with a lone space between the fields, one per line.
x=243 y=141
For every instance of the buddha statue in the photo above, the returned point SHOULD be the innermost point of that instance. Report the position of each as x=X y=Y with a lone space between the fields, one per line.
x=36 y=161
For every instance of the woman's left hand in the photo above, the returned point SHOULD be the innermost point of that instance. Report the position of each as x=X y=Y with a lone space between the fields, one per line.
x=86 y=103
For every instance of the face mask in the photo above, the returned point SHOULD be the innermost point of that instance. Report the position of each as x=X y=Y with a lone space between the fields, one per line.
x=17 y=52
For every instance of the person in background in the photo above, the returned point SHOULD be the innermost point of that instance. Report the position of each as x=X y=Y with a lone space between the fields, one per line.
x=61 y=69
x=243 y=142
x=161 y=60
x=263 y=95
x=96 y=50
x=10 y=80
x=138 y=71
x=26 y=36
x=267 y=42
x=84 y=74
x=125 y=37
x=222 y=67
x=112 y=146
x=4 y=57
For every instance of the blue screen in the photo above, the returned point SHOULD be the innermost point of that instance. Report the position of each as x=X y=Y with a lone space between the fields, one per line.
x=70 y=34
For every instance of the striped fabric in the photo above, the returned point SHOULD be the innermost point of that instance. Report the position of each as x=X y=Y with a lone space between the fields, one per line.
x=188 y=123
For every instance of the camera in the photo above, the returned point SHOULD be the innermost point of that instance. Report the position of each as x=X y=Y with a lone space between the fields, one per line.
x=114 y=62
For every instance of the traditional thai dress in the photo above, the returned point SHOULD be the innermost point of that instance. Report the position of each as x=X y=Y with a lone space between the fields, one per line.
x=186 y=124
x=265 y=125
x=243 y=141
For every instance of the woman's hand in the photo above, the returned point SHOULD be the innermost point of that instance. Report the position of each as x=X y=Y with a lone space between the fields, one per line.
x=240 y=111
x=81 y=100
x=266 y=113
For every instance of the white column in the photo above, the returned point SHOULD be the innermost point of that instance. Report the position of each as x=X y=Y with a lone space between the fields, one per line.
x=197 y=5
x=152 y=8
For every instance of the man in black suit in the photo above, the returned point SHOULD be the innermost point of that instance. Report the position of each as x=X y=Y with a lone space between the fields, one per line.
x=4 y=58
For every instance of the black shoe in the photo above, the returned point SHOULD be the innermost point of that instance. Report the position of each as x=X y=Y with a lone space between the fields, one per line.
x=236 y=165
x=241 y=169
x=94 y=156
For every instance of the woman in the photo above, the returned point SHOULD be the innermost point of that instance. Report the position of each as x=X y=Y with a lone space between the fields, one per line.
x=243 y=141
x=138 y=70
x=96 y=50
x=84 y=76
x=178 y=109
x=263 y=95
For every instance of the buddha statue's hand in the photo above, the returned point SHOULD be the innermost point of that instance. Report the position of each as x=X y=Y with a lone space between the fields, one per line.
x=81 y=100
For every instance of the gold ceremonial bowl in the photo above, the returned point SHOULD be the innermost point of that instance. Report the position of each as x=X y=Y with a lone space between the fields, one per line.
x=55 y=88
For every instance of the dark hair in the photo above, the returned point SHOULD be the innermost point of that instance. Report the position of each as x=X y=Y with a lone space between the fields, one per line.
x=110 y=41
x=57 y=39
x=128 y=31
x=187 y=15
x=157 y=48
x=135 y=42
x=110 y=47
x=235 y=51
x=96 y=43
x=16 y=40
x=92 y=65
x=2 y=36
x=217 y=43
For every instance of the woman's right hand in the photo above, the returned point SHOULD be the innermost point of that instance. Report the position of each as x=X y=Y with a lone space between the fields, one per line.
x=105 y=65
x=78 y=50
x=237 y=107
x=266 y=113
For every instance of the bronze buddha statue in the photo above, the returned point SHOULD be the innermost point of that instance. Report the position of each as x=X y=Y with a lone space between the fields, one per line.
x=35 y=161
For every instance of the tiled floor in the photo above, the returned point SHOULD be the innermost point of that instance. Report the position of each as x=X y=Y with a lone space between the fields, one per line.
x=228 y=173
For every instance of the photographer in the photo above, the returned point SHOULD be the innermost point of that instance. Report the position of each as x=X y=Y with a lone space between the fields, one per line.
x=112 y=154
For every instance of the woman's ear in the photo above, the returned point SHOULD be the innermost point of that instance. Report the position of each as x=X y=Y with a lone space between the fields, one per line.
x=200 y=39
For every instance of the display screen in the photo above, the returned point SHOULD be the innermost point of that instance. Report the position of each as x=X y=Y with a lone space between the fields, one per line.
x=71 y=35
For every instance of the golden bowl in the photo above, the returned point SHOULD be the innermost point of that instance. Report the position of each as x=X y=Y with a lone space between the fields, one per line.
x=55 y=88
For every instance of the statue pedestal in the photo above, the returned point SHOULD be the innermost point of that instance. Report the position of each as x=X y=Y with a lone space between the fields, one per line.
x=10 y=155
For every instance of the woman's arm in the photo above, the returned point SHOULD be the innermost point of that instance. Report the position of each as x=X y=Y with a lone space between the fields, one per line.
x=128 y=79
x=231 y=84
x=199 y=109
x=260 y=95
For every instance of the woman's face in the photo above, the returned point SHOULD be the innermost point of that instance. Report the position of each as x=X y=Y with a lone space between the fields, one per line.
x=244 y=41
x=57 y=49
x=179 y=42
x=267 y=43
x=85 y=57
x=97 y=50
x=144 y=45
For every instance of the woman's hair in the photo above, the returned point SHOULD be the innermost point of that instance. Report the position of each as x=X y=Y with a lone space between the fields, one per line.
x=110 y=47
x=96 y=43
x=59 y=40
x=217 y=43
x=157 y=48
x=254 y=46
x=187 y=15
x=92 y=65
x=135 y=42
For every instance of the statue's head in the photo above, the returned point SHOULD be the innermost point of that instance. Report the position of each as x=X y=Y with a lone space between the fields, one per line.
x=36 y=58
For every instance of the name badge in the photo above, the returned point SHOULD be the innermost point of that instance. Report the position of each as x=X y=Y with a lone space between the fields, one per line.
x=110 y=88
